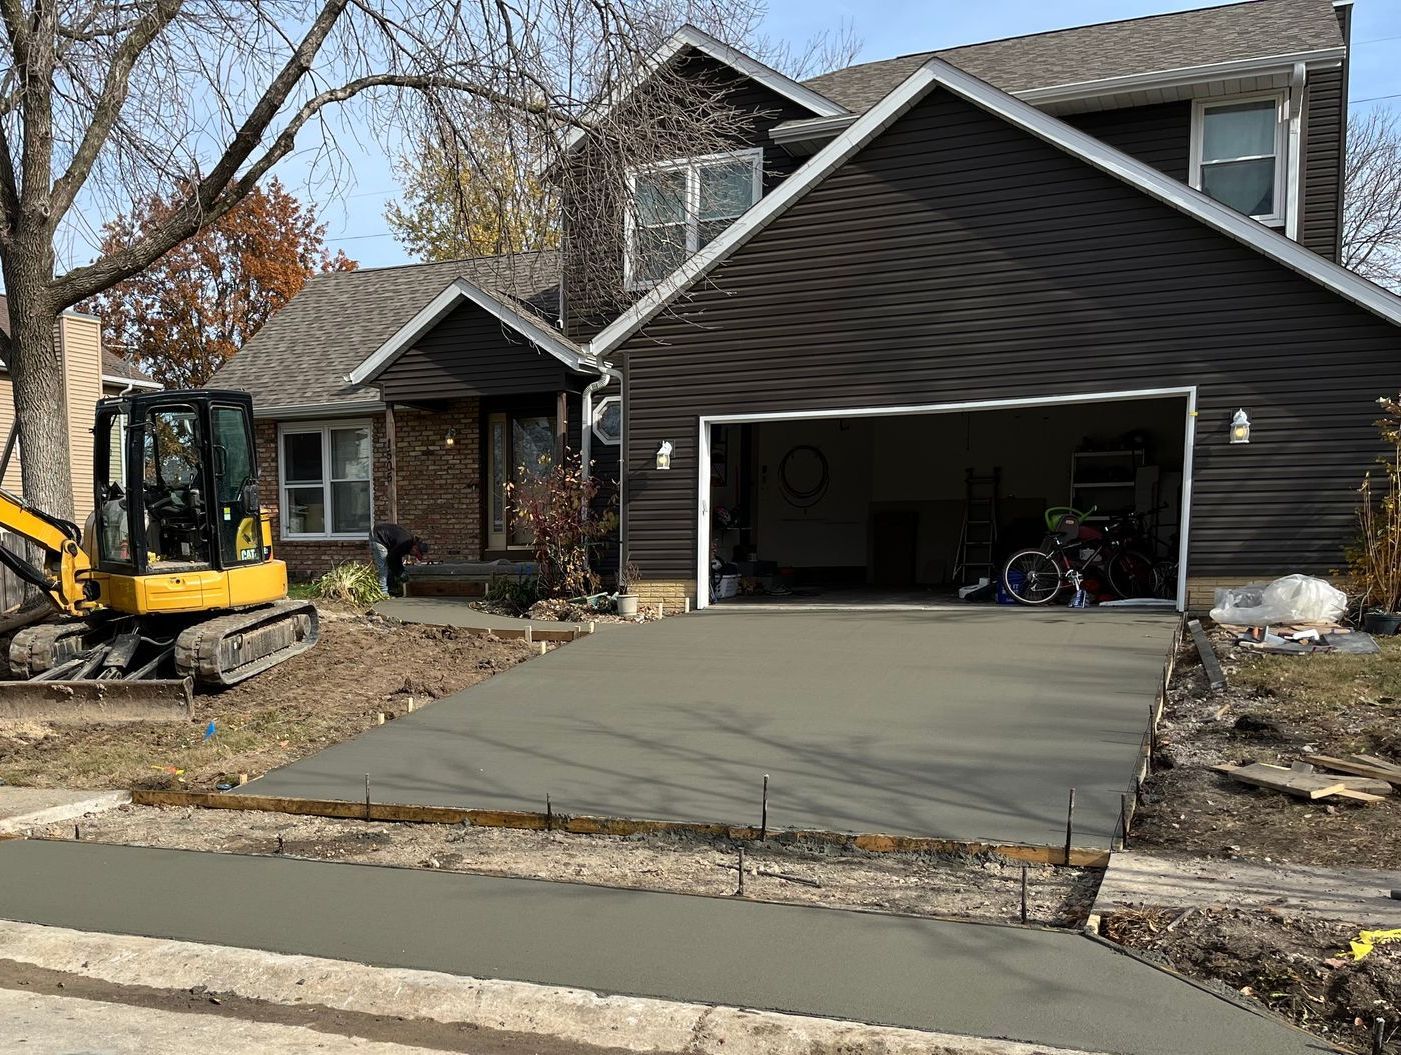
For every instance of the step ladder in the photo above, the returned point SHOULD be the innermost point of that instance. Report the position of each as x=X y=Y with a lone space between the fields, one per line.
x=978 y=538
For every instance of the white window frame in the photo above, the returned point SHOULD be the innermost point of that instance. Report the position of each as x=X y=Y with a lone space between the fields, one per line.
x=598 y=411
x=692 y=167
x=324 y=430
x=1283 y=176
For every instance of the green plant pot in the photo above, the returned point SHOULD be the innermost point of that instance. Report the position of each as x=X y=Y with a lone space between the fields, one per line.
x=1382 y=624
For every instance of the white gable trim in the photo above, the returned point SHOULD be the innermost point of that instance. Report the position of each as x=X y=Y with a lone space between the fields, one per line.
x=938 y=73
x=689 y=36
x=457 y=291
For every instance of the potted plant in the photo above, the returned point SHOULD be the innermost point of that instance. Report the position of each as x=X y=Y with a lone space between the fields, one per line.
x=627 y=600
x=1376 y=558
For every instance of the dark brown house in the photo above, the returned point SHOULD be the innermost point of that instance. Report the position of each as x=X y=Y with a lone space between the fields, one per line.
x=1064 y=264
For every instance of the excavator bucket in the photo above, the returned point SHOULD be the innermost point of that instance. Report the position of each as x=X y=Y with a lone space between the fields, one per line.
x=98 y=700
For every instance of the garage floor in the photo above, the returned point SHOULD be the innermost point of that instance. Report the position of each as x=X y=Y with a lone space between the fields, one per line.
x=970 y=725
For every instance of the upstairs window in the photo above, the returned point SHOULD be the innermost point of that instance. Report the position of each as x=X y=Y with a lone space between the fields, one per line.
x=1238 y=155
x=680 y=207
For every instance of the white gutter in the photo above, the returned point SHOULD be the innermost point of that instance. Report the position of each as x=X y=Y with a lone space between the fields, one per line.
x=128 y=383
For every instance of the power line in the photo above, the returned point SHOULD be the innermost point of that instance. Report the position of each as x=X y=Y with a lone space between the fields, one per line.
x=1375 y=98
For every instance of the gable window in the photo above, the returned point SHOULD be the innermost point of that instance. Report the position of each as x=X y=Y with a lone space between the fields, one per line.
x=1238 y=154
x=680 y=206
x=324 y=473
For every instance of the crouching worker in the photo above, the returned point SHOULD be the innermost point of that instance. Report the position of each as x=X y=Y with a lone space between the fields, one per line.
x=389 y=544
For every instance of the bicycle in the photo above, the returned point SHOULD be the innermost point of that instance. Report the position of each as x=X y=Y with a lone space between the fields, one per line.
x=1068 y=555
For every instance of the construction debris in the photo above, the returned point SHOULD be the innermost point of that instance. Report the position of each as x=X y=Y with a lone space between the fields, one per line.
x=1300 y=781
x=1215 y=676
x=1362 y=766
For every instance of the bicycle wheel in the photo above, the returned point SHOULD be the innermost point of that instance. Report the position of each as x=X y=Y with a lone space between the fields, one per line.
x=1131 y=574
x=1032 y=577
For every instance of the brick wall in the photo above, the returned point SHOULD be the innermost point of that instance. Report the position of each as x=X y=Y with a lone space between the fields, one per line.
x=670 y=592
x=440 y=488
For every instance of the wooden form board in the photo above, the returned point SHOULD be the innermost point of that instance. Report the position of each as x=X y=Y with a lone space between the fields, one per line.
x=1360 y=765
x=410 y=814
x=1215 y=676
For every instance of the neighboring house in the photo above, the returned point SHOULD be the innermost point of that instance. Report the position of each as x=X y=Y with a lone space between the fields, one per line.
x=91 y=372
x=1066 y=259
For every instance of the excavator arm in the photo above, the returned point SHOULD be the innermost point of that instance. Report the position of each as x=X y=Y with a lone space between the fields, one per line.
x=64 y=577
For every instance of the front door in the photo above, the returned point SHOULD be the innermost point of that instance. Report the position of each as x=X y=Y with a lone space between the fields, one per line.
x=520 y=449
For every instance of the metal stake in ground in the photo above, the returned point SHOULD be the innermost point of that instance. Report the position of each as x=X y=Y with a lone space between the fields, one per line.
x=1023 y=893
x=549 y=814
x=739 y=891
x=764 y=812
x=367 y=796
x=1124 y=821
x=1069 y=824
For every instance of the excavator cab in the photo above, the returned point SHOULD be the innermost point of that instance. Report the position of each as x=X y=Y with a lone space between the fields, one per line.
x=175 y=574
x=177 y=525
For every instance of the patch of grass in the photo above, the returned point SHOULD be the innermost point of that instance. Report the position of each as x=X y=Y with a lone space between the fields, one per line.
x=301 y=591
x=1354 y=702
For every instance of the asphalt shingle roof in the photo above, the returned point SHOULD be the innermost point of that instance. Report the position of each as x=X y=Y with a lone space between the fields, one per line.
x=1111 y=49
x=302 y=354
x=113 y=365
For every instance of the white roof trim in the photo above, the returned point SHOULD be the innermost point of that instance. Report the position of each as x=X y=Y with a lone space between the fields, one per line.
x=134 y=382
x=1136 y=82
x=808 y=128
x=1020 y=114
x=457 y=291
x=689 y=36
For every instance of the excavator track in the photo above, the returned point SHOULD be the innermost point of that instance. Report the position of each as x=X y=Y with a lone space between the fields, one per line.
x=232 y=648
x=44 y=646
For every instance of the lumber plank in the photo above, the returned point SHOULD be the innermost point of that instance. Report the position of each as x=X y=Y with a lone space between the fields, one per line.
x=1277 y=778
x=1357 y=796
x=1215 y=676
x=1362 y=769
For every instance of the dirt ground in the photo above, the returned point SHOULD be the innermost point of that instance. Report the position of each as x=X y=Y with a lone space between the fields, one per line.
x=1289 y=963
x=1275 y=709
x=362 y=666
x=926 y=885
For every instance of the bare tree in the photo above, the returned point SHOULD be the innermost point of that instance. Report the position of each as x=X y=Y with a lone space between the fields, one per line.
x=1371 y=236
x=107 y=102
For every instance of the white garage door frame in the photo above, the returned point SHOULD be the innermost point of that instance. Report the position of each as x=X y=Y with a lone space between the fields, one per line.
x=1187 y=392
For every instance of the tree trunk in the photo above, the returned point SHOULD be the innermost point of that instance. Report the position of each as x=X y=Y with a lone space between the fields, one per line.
x=37 y=372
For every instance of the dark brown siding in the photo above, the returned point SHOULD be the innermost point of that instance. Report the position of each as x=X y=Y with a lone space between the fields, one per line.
x=999 y=267
x=470 y=354
x=1325 y=128
x=1158 y=135
x=591 y=299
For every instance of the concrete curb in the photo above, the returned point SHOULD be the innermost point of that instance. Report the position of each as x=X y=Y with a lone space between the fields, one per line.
x=573 y=1015
x=66 y=807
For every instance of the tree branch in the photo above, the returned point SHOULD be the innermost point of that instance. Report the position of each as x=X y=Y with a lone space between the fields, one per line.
x=109 y=104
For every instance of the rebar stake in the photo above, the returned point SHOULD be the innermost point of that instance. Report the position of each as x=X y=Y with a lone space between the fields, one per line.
x=1023 y=893
x=1069 y=824
x=1378 y=1035
x=739 y=891
x=77 y=833
x=1124 y=821
x=549 y=814
x=764 y=811
x=367 y=796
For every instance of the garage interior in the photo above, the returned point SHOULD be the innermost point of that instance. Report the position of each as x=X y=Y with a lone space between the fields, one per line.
x=873 y=509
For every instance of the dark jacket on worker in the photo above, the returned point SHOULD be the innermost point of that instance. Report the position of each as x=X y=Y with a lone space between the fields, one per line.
x=397 y=543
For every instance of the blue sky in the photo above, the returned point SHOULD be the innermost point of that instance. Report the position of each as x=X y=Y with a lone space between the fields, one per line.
x=355 y=221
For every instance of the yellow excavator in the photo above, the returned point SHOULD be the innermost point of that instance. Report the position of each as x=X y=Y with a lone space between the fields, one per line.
x=173 y=581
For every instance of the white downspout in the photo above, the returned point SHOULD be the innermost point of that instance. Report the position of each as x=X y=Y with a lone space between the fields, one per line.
x=1294 y=162
x=606 y=373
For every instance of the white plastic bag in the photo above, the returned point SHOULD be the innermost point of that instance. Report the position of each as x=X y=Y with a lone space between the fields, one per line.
x=1292 y=599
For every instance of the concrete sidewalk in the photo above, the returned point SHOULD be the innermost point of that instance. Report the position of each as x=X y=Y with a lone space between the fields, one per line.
x=969 y=725
x=1048 y=987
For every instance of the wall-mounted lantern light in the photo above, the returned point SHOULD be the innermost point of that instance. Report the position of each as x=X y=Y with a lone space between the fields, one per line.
x=1240 y=428
x=664 y=455
x=450 y=438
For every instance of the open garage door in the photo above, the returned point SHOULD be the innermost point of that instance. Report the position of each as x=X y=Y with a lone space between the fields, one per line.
x=914 y=505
